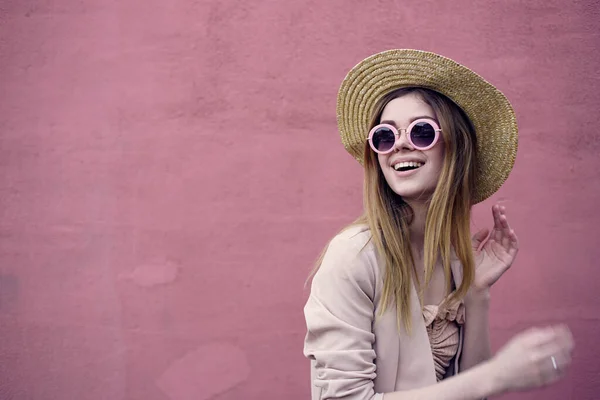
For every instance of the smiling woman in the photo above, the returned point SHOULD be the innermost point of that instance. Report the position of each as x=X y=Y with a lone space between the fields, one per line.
x=399 y=300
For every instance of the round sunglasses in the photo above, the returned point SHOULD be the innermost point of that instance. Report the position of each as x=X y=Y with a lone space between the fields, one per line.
x=422 y=134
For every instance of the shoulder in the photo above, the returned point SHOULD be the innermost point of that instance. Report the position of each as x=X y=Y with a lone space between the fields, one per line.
x=353 y=237
x=351 y=243
x=350 y=256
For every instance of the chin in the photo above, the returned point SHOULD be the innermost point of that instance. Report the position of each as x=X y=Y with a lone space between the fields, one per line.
x=409 y=194
x=417 y=186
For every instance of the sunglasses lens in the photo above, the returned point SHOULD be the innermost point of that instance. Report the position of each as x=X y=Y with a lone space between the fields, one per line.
x=383 y=139
x=422 y=134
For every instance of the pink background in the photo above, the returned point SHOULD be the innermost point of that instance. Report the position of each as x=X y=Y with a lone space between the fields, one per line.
x=169 y=171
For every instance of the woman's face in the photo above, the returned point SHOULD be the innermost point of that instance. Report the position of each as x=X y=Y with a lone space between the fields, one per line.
x=419 y=183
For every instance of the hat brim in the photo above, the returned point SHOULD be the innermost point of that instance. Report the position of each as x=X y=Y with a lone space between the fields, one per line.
x=488 y=109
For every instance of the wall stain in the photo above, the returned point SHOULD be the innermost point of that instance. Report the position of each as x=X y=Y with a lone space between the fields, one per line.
x=153 y=274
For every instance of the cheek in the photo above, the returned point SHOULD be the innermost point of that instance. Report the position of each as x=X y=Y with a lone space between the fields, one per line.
x=437 y=160
x=382 y=159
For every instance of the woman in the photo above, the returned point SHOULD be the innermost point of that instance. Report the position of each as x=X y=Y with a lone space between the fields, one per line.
x=399 y=299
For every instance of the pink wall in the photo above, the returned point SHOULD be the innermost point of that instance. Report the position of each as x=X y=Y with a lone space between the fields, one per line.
x=169 y=170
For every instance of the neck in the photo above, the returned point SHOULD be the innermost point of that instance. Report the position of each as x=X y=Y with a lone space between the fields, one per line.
x=417 y=226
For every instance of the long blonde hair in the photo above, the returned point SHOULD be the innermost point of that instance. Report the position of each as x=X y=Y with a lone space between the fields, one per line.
x=447 y=223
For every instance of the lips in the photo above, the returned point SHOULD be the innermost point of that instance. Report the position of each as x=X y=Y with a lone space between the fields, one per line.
x=407 y=165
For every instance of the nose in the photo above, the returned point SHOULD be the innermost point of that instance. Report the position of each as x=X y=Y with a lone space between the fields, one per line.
x=402 y=142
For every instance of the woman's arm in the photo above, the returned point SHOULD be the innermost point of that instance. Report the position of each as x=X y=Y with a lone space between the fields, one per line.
x=477 y=383
x=494 y=254
x=531 y=359
x=476 y=347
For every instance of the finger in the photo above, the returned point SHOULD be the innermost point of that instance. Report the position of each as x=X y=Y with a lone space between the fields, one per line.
x=505 y=233
x=514 y=239
x=513 y=245
x=555 y=365
x=507 y=237
x=541 y=338
x=559 y=345
x=565 y=338
x=504 y=221
x=563 y=360
x=554 y=348
x=496 y=212
x=501 y=230
x=505 y=224
x=549 y=373
x=479 y=237
x=499 y=224
x=549 y=369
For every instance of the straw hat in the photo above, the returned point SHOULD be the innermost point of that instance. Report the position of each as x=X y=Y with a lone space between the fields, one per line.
x=488 y=109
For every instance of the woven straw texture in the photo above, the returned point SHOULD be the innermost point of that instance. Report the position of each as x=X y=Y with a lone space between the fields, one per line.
x=488 y=109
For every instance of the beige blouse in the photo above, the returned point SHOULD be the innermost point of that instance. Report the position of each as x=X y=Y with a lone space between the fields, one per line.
x=443 y=331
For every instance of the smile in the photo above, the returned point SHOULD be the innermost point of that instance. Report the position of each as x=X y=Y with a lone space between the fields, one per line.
x=407 y=165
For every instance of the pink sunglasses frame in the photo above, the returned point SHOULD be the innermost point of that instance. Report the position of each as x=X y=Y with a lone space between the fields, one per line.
x=398 y=132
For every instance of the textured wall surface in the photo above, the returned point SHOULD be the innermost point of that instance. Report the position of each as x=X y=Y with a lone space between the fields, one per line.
x=169 y=171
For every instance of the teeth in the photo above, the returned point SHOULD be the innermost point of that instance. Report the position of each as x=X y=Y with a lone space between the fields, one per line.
x=407 y=164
